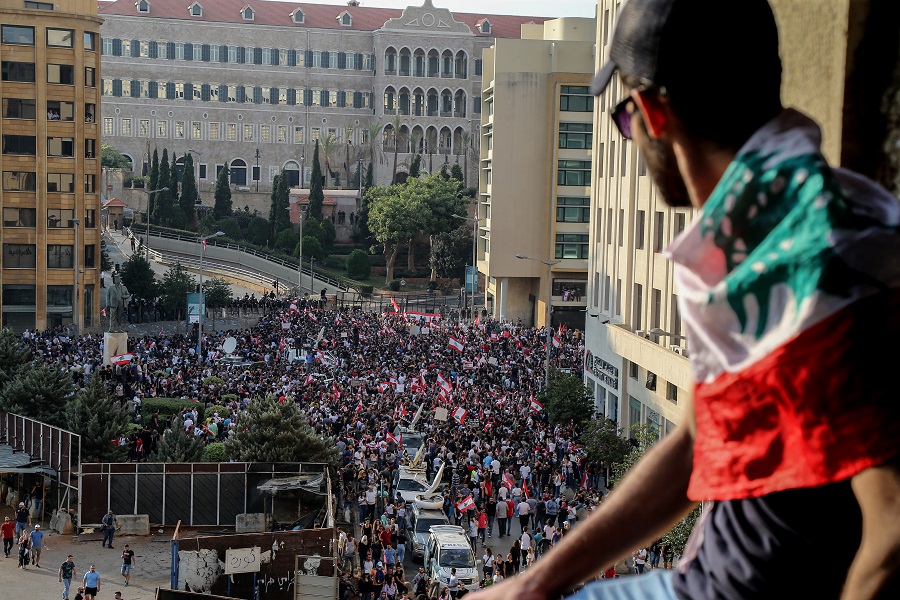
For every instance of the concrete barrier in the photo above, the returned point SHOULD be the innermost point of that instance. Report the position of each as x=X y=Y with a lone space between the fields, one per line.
x=133 y=524
x=61 y=522
x=250 y=523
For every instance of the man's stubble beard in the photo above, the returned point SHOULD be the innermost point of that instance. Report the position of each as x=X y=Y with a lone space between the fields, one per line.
x=663 y=167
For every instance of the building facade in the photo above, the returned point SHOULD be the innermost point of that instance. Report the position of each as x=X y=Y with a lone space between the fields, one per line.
x=253 y=84
x=50 y=163
x=535 y=181
x=636 y=359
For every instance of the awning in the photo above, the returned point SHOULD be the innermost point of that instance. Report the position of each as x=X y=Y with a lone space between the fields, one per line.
x=308 y=483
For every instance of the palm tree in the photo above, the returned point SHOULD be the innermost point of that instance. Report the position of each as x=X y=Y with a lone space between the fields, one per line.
x=371 y=146
x=329 y=148
x=395 y=123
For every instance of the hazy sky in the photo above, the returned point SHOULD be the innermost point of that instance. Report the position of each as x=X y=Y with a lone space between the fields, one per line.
x=533 y=8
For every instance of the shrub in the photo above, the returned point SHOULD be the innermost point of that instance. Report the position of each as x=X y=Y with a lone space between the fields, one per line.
x=336 y=262
x=213 y=381
x=168 y=407
x=394 y=285
x=229 y=397
x=286 y=240
x=358 y=265
x=218 y=408
x=230 y=228
x=215 y=452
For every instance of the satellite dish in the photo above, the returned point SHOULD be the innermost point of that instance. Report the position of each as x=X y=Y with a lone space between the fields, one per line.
x=229 y=345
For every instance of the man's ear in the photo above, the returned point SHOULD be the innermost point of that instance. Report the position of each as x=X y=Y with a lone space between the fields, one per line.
x=654 y=111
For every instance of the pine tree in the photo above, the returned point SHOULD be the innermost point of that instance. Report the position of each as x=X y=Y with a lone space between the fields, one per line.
x=173 y=185
x=12 y=357
x=162 y=208
x=189 y=194
x=283 y=192
x=38 y=391
x=273 y=432
x=415 y=167
x=316 y=195
x=222 y=207
x=97 y=417
x=273 y=207
x=177 y=446
x=370 y=176
x=154 y=181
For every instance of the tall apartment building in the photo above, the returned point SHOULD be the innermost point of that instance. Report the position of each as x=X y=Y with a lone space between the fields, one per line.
x=50 y=163
x=636 y=356
x=534 y=187
x=252 y=84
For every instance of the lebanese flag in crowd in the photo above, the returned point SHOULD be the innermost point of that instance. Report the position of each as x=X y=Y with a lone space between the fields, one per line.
x=507 y=481
x=391 y=438
x=456 y=344
x=359 y=406
x=502 y=401
x=312 y=317
x=281 y=345
x=445 y=385
x=384 y=385
x=121 y=359
x=465 y=504
x=395 y=305
x=294 y=308
x=335 y=390
x=309 y=379
x=444 y=397
x=584 y=479
x=535 y=405
x=459 y=414
x=525 y=489
x=556 y=342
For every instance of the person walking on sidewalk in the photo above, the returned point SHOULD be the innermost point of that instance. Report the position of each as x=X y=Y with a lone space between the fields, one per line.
x=24 y=541
x=91 y=583
x=66 y=575
x=128 y=563
x=8 y=533
x=108 y=527
x=23 y=519
x=37 y=544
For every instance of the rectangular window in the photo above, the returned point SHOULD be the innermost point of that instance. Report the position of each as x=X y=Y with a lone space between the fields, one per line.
x=60 y=146
x=61 y=74
x=18 y=256
x=179 y=51
x=201 y=171
x=248 y=132
x=90 y=40
x=89 y=111
x=634 y=411
x=232 y=55
x=179 y=130
x=60 y=218
x=19 y=181
x=106 y=46
x=143 y=89
x=282 y=134
x=639 y=228
x=162 y=129
x=144 y=125
x=18 y=34
x=90 y=218
x=61 y=183
x=576 y=98
x=637 y=307
x=314 y=134
x=90 y=256
x=573 y=209
x=19 y=108
x=658 y=231
x=60 y=38
x=231 y=132
x=572 y=245
x=574 y=172
x=265 y=133
x=265 y=93
x=621 y=227
x=298 y=135
x=59 y=256
x=125 y=86
x=144 y=49
x=18 y=71
x=213 y=131
x=19 y=144
x=179 y=91
x=232 y=93
x=126 y=127
x=19 y=217
x=576 y=136
x=609 y=226
x=196 y=130
x=624 y=149
x=90 y=148
x=679 y=223
x=107 y=87
x=90 y=183
x=213 y=93
x=478 y=67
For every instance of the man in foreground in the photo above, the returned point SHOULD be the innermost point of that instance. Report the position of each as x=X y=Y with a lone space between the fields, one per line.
x=788 y=279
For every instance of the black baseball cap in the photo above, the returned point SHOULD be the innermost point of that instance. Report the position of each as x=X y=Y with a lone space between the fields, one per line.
x=724 y=44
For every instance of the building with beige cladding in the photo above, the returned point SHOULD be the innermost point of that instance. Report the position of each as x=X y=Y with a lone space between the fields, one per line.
x=50 y=163
x=535 y=181
x=636 y=359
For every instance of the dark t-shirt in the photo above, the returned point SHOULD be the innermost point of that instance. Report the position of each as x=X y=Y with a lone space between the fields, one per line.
x=67 y=569
x=127 y=555
x=752 y=548
x=22 y=515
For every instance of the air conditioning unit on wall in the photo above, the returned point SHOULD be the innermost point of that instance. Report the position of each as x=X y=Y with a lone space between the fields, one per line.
x=678 y=350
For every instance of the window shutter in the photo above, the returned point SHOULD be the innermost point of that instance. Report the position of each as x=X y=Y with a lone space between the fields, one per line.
x=342 y=99
x=170 y=91
x=117 y=47
x=204 y=92
x=153 y=47
x=135 y=88
x=257 y=56
x=292 y=58
x=135 y=48
x=153 y=89
x=273 y=95
x=357 y=99
x=189 y=91
x=170 y=50
x=223 y=93
x=342 y=60
x=359 y=61
x=309 y=54
x=292 y=97
x=307 y=97
x=204 y=52
x=188 y=51
x=223 y=53
x=257 y=95
x=274 y=56
x=117 y=87
x=242 y=54
x=239 y=94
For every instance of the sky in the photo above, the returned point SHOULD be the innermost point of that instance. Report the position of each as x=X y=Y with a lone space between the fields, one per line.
x=531 y=8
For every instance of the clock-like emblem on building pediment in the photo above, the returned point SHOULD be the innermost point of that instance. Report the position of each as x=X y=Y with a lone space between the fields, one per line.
x=427 y=20
x=427 y=16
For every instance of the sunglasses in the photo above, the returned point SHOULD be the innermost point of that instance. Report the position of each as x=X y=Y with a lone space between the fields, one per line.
x=621 y=116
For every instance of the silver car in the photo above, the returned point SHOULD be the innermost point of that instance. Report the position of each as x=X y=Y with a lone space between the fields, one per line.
x=417 y=528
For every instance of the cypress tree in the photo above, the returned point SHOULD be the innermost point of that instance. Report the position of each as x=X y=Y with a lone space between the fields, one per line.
x=162 y=208
x=154 y=182
x=97 y=417
x=189 y=195
x=316 y=195
x=222 y=207
x=283 y=193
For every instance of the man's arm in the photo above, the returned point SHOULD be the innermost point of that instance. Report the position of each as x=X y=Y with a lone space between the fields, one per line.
x=648 y=501
x=875 y=572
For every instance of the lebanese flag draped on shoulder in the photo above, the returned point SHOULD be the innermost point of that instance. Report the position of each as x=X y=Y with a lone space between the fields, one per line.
x=456 y=344
x=465 y=504
x=787 y=281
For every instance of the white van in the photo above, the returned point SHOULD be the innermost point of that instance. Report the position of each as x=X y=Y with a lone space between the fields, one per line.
x=448 y=548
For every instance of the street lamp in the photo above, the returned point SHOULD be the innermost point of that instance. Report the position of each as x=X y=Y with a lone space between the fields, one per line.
x=202 y=302
x=150 y=193
x=75 y=307
x=257 y=173
x=300 y=249
x=474 y=221
x=547 y=328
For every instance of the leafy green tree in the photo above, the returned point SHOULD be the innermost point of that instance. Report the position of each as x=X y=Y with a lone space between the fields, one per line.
x=603 y=441
x=12 y=356
x=316 y=194
x=154 y=182
x=273 y=432
x=217 y=292
x=444 y=205
x=415 y=167
x=230 y=228
x=215 y=452
x=313 y=227
x=567 y=399
x=189 y=194
x=111 y=158
x=395 y=218
x=177 y=446
x=358 y=265
x=370 y=175
x=39 y=391
x=677 y=537
x=451 y=252
x=456 y=173
x=312 y=247
x=329 y=235
x=222 y=207
x=259 y=231
x=138 y=277
x=176 y=285
x=99 y=419
x=286 y=240
x=105 y=262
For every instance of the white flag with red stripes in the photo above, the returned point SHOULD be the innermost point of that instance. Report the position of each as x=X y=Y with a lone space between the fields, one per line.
x=445 y=385
x=459 y=414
